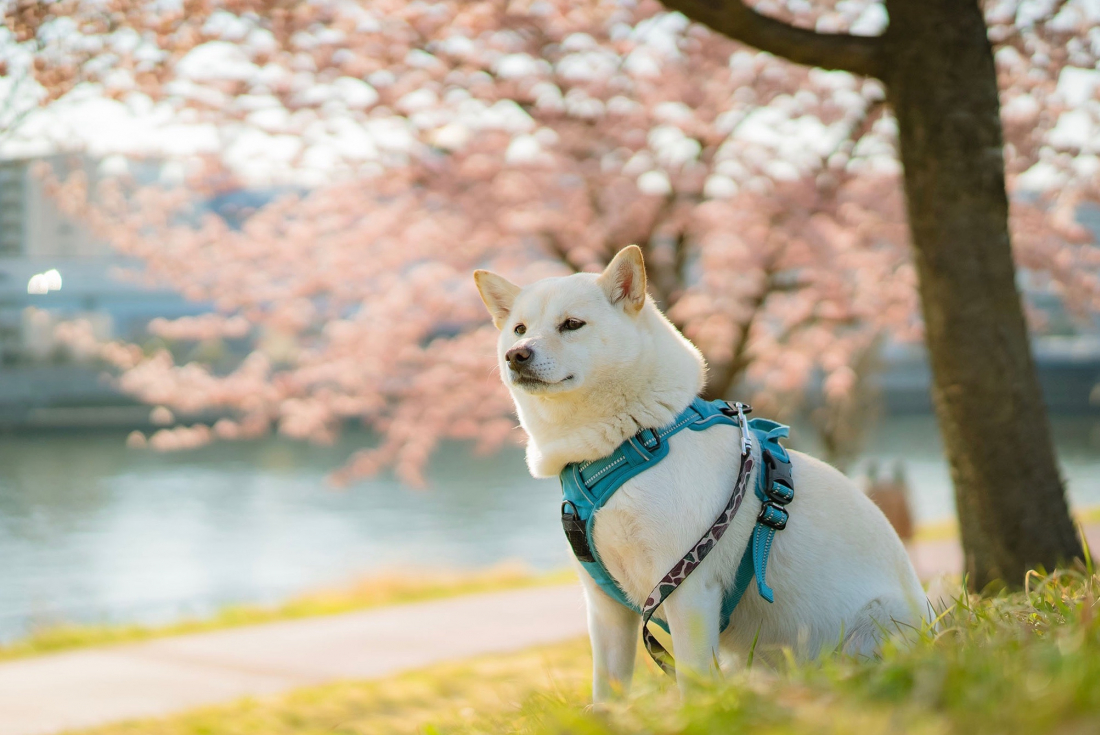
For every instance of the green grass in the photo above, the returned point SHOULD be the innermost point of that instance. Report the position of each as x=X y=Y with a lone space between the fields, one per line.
x=390 y=589
x=1005 y=664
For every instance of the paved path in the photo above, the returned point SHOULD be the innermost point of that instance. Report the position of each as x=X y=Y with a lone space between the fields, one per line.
x=932 y=558
x=48 y=694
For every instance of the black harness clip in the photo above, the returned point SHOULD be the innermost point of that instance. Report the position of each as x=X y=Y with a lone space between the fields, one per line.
x=779 y=491
x=575 y=532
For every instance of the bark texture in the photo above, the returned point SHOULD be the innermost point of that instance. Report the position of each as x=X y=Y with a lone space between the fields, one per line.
x=942 y=85
x=937 y=64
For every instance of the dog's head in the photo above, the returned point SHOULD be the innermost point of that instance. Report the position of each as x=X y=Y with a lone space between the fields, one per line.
x=563 y=335
x=589 y=360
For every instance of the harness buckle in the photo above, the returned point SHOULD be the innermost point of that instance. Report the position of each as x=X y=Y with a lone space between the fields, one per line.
x=773 y=515
x=654 y=443
x=575 y=532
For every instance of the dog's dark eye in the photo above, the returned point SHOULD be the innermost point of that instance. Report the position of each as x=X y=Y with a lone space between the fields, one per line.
x=571 y=325
x=520 y=330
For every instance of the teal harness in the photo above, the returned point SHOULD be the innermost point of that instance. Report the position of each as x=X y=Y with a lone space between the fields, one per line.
x=587 y=486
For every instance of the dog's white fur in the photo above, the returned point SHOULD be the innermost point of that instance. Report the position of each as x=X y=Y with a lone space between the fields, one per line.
x=840 y=574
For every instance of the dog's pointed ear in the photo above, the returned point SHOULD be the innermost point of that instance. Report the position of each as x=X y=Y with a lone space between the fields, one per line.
x=498 y=293
x=624 y=279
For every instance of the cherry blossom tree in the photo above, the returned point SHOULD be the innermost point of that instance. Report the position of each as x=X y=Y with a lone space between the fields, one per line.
x=937 y=63
x=419 y=141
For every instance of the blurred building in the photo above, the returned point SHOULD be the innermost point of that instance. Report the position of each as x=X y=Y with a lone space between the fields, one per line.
x=40 y=384
x=31 y=224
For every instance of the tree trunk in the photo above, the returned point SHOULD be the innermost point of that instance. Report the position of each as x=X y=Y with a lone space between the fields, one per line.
x=937 y=63
x=942 y=84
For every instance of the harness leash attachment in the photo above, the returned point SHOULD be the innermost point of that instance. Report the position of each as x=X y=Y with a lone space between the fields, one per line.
x=739 y=410
x=587 y=486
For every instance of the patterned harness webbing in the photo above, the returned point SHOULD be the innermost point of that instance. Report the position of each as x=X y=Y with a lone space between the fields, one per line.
x=586 y=487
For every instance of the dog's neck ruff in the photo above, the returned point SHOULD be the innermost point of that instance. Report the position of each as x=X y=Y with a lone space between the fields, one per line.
x=587 y=486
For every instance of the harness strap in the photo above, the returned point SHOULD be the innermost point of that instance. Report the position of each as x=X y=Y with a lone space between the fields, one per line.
x=587 y=486
x=775 y=492
x=699 y=551
x=778 y=491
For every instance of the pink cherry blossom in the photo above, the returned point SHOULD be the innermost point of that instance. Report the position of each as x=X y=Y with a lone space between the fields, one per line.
x=419 y=141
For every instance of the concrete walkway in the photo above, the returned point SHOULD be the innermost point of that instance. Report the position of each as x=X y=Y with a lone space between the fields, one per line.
x=83 y=688
x=51 y=693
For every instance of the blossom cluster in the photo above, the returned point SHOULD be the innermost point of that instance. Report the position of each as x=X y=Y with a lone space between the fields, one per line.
x=418 y=141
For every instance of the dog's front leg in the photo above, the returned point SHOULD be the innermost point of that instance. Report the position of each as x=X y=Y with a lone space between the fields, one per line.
x=693 y=611
x=615 y=632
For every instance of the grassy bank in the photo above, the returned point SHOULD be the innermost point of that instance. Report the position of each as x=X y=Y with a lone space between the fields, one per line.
x=414 y=585
x=1006 y=664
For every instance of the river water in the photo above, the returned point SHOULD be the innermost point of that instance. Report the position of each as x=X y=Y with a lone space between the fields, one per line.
x=92 y=531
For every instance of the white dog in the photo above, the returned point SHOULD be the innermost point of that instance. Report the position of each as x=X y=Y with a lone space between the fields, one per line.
x=590 y=362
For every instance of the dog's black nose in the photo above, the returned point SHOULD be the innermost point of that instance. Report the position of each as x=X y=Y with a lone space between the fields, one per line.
x=517 y=356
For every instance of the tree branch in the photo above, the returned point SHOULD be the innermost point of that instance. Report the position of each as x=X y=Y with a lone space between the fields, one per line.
x=558 y=250
x=732 y=18
x=722 y=381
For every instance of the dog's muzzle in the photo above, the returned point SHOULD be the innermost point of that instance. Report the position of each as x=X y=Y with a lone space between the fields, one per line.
x=520 y=358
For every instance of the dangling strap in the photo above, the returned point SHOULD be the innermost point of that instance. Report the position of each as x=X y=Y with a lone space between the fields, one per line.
x=703 y=546
x=775 y=492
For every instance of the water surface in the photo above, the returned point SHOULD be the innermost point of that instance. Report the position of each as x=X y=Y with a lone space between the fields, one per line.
x=92 y=531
